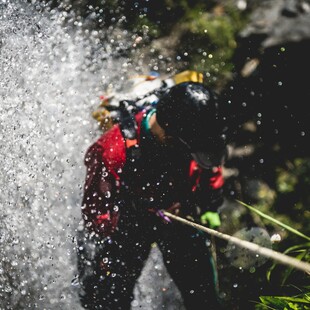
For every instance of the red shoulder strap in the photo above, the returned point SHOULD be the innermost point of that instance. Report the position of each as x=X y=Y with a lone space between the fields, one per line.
x=215 y=181
x=114 y=152
x=115 y=147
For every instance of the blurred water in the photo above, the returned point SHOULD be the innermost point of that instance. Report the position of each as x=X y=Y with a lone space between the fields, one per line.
x=51 y=79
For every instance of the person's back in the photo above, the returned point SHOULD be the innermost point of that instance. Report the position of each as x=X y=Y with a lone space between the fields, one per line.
x=176 y=168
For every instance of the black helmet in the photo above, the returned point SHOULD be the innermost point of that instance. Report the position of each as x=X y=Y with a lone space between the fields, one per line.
x=190 y=112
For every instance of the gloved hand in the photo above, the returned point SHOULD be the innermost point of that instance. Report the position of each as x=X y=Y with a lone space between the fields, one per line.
x=211 y=219
x=174 y=209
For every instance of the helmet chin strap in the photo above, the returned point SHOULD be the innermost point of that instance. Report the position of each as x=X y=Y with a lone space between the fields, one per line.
x=157 y=131
x=184 y=142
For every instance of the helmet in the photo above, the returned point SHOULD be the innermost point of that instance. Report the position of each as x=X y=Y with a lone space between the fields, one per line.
x=190 y=112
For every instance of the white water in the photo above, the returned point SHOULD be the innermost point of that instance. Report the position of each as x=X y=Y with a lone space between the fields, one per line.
x=51 y=78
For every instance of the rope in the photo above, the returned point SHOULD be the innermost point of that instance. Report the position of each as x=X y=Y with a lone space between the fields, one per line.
x=279 y=257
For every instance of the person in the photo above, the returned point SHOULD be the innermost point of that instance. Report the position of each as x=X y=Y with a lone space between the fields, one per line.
x=174 y=164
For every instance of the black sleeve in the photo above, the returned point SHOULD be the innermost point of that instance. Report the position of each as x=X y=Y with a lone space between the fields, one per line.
x=209 y=190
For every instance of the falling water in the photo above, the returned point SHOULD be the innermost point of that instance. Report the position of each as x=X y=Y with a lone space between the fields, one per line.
x=51 y=79
x=52 y=74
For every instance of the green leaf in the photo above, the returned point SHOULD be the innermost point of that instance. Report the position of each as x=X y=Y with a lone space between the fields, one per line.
x=289 y=270
x=289 y=228
x=300 y=248
x=273 y=301
x=298 y=302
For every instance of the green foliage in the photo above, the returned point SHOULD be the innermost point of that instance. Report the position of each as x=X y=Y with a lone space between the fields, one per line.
x=218 y=33
x=288 y=199
x=210 y=40
x=275 y=221
x=295 y=177
x=301 y=301
x=207 y=30
x=288 y=177
x=286 y=181
x=204 y=32
x=297 y=302
x=146 y=28
x=293 y=197
x=300 y=252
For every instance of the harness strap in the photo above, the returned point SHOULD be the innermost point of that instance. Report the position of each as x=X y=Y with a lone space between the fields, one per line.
x=129 y=130
x=127 y=121
x=130 y=142
x=129 y=126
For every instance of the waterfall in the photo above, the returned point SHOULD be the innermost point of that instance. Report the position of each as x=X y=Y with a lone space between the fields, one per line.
x=51 y=80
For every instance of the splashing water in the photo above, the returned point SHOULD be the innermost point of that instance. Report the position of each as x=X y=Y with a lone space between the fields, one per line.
x=51 y=79
x=52 y=75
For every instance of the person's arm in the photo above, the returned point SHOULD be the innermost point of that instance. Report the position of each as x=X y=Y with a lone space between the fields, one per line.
x=207 y=186
x=100 y=213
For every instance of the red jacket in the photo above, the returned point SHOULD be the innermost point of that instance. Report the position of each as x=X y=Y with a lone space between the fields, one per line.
x=160 y=180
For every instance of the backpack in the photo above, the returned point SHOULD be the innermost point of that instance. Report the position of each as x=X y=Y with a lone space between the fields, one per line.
x=113 y=110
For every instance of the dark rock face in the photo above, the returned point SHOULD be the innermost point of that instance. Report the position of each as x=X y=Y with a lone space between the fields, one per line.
x=272 y=65
x=280 y=22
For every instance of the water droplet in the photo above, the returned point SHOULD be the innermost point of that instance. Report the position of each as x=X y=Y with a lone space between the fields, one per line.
x=8 y=289
x=134 y=303
x=75 y=281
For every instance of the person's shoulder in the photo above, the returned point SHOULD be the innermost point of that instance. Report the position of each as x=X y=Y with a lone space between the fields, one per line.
x=139 y=116
x=110 y=137
x=112 y=148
